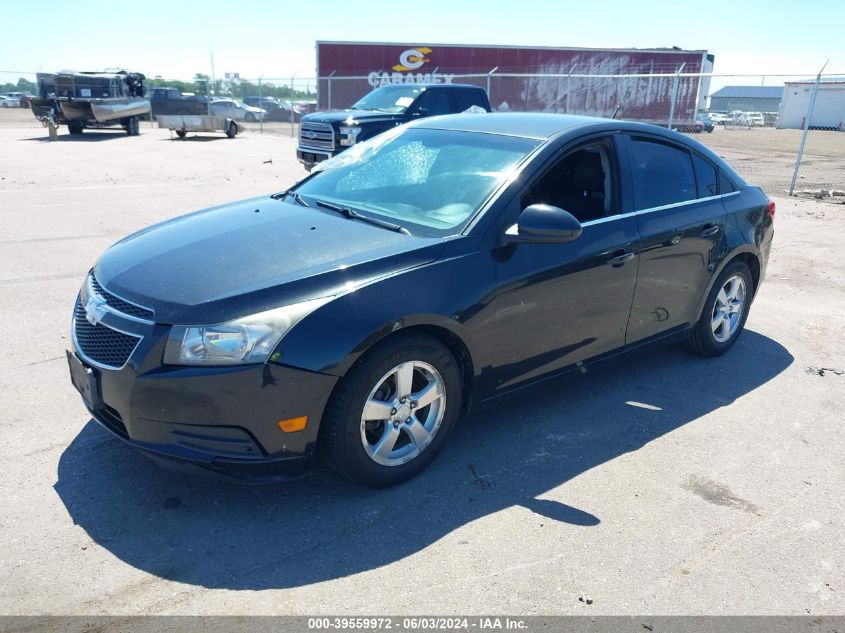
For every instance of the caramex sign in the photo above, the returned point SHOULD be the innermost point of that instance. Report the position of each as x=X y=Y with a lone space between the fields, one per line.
x=356 y=68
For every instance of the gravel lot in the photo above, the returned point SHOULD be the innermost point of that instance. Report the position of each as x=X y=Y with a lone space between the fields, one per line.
x=724 y=496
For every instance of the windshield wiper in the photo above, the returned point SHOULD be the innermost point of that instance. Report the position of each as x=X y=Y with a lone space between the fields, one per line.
x=290 y=192
x=352 y=214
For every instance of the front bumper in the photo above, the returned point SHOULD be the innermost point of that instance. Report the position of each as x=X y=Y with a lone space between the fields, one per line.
x=311 y=157
x=218 y=419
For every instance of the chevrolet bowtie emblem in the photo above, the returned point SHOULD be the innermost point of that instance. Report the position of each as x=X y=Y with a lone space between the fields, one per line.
x=95 y=309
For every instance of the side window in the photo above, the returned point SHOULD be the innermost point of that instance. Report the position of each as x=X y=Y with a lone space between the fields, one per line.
x=706 y=176
x=662 y=173
x=725 y=184
x=583 y=182
x=435 y=102
x=465 y=99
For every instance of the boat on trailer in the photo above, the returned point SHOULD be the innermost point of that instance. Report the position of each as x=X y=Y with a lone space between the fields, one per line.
x=91 y=100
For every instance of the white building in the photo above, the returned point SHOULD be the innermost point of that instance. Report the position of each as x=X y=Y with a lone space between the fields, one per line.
x=828 y=111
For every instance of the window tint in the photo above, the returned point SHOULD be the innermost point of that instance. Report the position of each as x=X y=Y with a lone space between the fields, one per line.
x=583 y=182
x=435 y=101
x=725 y=184
x=465 y=99
x=706 y=176
x=662 y=173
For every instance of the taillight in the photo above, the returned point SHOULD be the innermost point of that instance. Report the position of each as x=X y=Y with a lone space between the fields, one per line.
x=772 y=209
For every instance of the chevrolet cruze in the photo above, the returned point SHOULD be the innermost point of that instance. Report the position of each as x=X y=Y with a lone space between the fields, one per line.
x=358 y=315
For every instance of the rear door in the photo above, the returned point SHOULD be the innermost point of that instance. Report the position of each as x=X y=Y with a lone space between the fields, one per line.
x=681 y=223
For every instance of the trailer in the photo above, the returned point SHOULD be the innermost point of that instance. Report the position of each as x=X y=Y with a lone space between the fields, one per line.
x=82 y=100
x=664 y=86
x=181 y=124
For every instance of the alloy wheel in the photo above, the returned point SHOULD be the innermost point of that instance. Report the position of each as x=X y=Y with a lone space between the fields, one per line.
x=402 y=413
x=728 y=309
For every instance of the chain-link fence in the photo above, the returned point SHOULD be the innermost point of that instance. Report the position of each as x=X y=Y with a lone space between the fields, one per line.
x=784 y=133
x=755 y=121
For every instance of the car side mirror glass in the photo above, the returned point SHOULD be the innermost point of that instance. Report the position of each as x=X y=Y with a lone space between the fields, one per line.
x=544 y=223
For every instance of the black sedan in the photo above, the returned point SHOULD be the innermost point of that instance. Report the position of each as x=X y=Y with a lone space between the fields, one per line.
x=358 y=315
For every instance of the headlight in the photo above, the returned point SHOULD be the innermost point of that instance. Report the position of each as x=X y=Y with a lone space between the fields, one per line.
x=351 y=134
x=250 y=339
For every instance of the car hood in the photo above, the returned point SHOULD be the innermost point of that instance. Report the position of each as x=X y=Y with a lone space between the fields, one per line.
x=254 y=255
x=339 y=116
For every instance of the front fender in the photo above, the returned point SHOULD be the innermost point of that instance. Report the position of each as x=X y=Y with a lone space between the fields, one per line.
x=448 y=294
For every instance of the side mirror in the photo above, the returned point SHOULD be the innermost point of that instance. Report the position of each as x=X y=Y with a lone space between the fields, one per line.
x=543 y=223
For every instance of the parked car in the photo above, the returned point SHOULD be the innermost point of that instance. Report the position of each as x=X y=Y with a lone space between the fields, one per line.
x=753 y=119
x=717 y=117
x=706 y=124
x=8 y=102
x=276 y=110
x=20 y=99
x=172 y=101
x=237 y=110
x=326 y=134
x=358 y=314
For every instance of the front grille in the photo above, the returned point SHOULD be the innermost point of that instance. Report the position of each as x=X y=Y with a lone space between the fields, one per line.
x=102 y=344
x=121 y=305
x=316 y=135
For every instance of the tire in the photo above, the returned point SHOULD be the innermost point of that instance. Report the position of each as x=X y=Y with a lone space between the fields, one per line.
x=708 y=338
x=5 y=105
x=232 y=130
x=132 y=126
x=181 y=133
x=249 y=117
x=351 y=434
x=74 y=128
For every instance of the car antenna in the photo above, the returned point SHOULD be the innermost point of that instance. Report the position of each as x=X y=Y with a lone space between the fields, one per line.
x=616 y=111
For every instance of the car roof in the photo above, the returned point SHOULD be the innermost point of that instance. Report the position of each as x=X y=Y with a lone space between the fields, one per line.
x=545 y=126
x=538 y=126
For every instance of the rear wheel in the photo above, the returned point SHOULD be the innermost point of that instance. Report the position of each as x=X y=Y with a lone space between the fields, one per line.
x=181 y=133
x=392 y=412
x=725 y=312
x=250 y=117
x=232 y=129
x=74 y=127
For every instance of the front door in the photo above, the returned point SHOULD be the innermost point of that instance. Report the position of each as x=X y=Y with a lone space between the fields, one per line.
x=557 y=304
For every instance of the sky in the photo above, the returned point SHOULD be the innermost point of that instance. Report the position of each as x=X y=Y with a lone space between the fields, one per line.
x=276 y=39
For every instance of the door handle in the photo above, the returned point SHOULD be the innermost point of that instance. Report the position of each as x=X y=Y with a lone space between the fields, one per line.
x=618 y=260
x=709 y=231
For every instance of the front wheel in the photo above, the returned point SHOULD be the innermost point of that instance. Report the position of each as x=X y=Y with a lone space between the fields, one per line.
x=250 y=117
x=232 y=129
x=725 y=312
x=392 y=412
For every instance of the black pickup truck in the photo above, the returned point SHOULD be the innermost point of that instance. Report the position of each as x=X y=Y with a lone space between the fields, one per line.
x=326 y=134
x=171 y=101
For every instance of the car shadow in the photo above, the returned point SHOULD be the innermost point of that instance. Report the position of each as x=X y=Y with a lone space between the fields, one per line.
x=508 y=453
x=196 y=138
